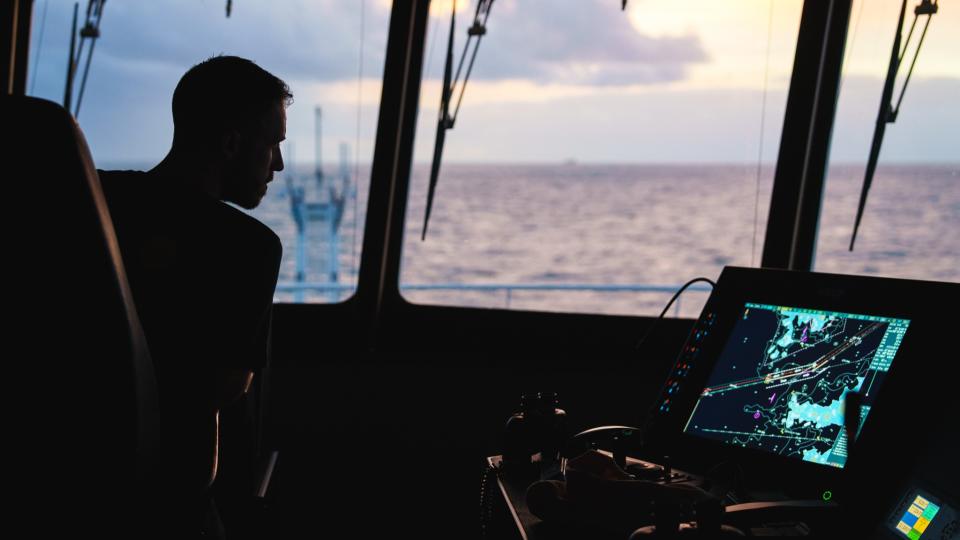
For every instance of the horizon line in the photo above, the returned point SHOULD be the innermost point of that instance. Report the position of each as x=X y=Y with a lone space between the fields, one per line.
x=113 y=164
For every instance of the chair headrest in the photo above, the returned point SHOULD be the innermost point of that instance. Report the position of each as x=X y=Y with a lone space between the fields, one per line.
x=76 y=312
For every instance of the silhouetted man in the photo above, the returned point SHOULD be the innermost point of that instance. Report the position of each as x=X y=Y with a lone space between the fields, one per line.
x=203 y=273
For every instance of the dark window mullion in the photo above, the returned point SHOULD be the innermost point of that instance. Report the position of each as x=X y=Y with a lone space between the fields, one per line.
x=791 y=235
x=378 y=283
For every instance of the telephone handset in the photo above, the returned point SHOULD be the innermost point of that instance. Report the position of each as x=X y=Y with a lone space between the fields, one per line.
x=616 y=439
x=537 y=429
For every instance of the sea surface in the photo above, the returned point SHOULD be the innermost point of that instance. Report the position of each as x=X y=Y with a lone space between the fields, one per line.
x=557 y=227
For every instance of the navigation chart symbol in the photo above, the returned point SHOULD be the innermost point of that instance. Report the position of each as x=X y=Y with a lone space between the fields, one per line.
x=756 y=415
x=771 y=398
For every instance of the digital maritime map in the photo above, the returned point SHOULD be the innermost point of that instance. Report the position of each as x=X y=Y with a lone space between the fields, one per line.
x=780 y=381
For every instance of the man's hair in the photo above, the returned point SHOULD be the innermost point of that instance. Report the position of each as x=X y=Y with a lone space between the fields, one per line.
x=221 y=94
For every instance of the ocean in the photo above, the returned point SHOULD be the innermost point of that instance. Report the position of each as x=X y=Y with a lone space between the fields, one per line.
x=568 y=225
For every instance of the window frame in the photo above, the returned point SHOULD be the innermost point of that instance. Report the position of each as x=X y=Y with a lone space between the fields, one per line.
x=790 y=241
x=378 y=319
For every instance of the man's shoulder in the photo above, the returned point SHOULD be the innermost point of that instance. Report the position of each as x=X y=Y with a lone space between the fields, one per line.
x=248 y=228
x=139 y=197
x=120 y=175
x=131 y=199
x=121 y=181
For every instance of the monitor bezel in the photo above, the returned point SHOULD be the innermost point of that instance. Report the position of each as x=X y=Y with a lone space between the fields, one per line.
x=886 y=297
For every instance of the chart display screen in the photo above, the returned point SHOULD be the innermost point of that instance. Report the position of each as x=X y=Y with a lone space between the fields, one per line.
x=781 y=378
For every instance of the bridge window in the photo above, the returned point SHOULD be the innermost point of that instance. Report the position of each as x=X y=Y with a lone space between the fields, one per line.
x=600 y=157
x=912 y=212
x=330 y=53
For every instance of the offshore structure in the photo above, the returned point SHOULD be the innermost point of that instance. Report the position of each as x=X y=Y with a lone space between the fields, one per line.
x=317 y=204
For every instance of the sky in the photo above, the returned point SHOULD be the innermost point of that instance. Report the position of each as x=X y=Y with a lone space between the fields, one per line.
x=555 y=80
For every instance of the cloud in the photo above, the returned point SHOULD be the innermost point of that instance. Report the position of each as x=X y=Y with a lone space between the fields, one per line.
x=547 y=85
x=145 y=47
x=317 y=40
x=587 y=42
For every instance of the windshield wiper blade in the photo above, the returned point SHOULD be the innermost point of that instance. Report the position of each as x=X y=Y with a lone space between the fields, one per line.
x=888 y=113
x=442 y=123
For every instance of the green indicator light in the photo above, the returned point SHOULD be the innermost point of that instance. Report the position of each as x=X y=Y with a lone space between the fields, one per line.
x=827 y=495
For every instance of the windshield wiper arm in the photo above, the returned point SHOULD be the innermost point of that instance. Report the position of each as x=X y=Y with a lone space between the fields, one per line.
x=888 y=113
x=445 y=121
x=90 y=31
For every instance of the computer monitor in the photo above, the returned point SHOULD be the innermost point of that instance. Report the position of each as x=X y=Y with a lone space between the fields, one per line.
x=780 y=381
x=763 y=375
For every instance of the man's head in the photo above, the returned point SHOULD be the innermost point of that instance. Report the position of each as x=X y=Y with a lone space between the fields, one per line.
x=230 y=114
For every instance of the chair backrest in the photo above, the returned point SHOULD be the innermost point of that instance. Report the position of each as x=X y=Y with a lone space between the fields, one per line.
x=74 y=310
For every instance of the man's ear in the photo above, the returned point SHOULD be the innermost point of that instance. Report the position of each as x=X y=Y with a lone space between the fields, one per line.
x=230 y=144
